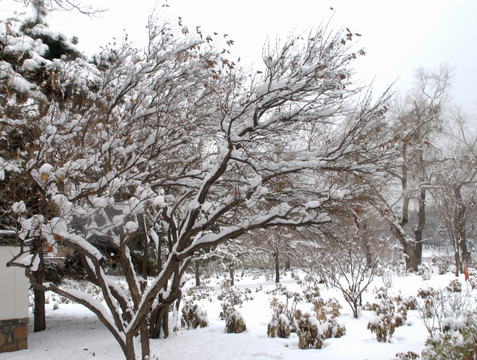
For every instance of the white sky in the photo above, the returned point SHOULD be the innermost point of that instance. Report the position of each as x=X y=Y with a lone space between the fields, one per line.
x=398 y=36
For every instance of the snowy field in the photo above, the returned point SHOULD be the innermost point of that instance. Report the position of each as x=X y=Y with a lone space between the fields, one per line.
x=74 y=333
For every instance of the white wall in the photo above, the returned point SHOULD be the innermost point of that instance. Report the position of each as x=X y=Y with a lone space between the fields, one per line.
x=13 y=287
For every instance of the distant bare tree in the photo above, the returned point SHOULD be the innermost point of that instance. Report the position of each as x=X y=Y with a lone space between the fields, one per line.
x=455 y=191
x=416 y=128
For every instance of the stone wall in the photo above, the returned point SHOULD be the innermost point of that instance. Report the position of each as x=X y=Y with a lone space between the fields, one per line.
x=13 y=335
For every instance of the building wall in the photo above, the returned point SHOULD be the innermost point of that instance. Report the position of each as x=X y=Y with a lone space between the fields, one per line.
x=13 y=303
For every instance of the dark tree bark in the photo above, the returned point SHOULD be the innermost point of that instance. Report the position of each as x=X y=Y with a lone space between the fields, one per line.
x=39 y=315
x=460 y=220
x=197 y=273
x=159 y=322
x=232 y=274
x=416 y=258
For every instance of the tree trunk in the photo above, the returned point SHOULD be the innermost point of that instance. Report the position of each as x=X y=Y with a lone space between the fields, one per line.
x=39 y=311
x=159 y=322
x=128 y=348
x=412 y=258
x=145 y=257
x=232 y=274
x=145 y=348
x=288 y=264
x=420 y=229
x=411 y=252
x=197 y=273
x=277 y=268
x=458 y=262
x=39 y=318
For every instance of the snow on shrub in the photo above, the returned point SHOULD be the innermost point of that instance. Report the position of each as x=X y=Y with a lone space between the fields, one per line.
x=437 y=308
x=283 y=321
x=456 y=342
x=390 y=314
x=425 y=271
x=308 y=331
x=454 y=286
x=282 y=318
x=473 y=281
x=279 y=326
x=443 y=264
x=231 y=295
x=234 y=321
x=450 y=317
x=196 y=294
x=309 y=287
x=312 y=329
x=327 y=313
x=410 y=355
x=193 y=316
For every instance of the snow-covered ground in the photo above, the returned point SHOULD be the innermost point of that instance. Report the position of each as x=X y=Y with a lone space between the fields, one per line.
x=74 y=333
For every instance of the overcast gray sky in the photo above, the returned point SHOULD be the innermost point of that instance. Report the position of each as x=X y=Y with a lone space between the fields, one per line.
x=398 y=36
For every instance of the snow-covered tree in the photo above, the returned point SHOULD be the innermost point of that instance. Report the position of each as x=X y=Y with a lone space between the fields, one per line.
x=30 y=55
x=176 y=134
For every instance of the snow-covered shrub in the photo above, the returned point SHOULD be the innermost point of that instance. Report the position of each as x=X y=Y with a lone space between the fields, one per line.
x=312 y=329
x=283 y=321
x=278 y=289
x=410 y=303
x=196 y=294
x=282 y=318
x=309 y=287
x=440 y=309
x=234 y=321
x=193 y=316
x=291 y=299
x=426 y=305
x=425 y=271
x=248 y=295
x=390 y=314
x=454 y=286
x=457 y=342
x=231 y=295
x=308 y=331
x=473 y=281
x=410 y=355
x=279 y=326
x=326 y=310
x=326 y=313
x=442 y=263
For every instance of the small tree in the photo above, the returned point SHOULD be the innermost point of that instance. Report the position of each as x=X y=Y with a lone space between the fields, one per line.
x=346 y=258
